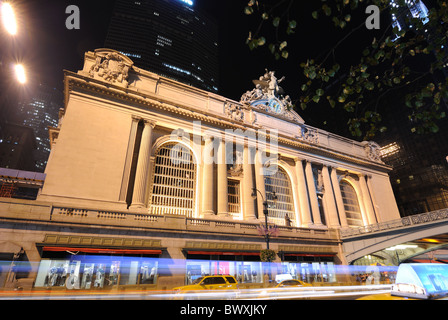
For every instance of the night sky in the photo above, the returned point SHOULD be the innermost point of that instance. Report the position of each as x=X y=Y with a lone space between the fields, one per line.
x=47 y=47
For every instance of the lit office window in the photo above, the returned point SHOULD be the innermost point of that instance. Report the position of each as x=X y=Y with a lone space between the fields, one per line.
x=174 y=187
x=281 y=211
x=351 y=205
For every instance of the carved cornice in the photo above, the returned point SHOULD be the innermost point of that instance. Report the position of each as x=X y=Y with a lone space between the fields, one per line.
x=147 y=100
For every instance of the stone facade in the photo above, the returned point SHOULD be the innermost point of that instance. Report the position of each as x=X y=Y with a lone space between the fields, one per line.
x=110 y=183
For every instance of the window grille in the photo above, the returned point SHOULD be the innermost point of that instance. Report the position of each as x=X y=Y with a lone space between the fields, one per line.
x=277 y=210
x=233 y=191
x=351 y=205
x=174 y=186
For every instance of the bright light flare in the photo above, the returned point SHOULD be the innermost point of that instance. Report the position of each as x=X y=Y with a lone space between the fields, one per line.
x=20 y=73
x=9 y=18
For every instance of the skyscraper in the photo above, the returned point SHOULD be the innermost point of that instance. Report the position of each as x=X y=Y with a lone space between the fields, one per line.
x=168 y=37
x=40 y=111
x=420 y=170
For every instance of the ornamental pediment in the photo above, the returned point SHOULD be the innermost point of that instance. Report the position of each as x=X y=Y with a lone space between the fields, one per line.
x=111 y=66
x=268 y=98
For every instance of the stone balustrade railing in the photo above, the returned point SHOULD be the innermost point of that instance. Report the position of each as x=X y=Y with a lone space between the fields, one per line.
x=394 y=224
x=33 y=210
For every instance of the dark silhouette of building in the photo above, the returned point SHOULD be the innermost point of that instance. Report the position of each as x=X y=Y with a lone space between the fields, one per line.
x=168 y=37
x=39 y=111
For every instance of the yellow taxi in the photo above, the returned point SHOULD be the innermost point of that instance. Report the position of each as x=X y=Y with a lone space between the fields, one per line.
x=292 y=283
x=417 y=281
x=219 y=283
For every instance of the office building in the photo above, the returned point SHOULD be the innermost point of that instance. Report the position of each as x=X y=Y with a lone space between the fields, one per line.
x=169 y=37
x=39 y=111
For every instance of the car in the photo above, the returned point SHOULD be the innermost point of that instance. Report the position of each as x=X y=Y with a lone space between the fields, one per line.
x=216 y=282
x=417 y=281
x=292 y=283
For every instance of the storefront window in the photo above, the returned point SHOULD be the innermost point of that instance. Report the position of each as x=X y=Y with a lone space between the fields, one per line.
x=310 y=269
x=243 y=271
x=96 y=272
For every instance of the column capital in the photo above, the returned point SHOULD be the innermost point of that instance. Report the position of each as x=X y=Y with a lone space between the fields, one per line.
x=149 y=122
x=146 y=121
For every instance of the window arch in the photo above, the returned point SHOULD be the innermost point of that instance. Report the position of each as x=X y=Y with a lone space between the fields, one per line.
x=174 y=184
x=351 y=204
x=284 y=205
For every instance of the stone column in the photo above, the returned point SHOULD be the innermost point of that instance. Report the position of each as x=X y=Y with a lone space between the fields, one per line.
x=223 y=199
x=338 y=196
x=305 y=213
x=372 y=196
x=248 y=201
x=207 y=180
x=329 y=199
x=313 y=195
x=260 y=184
x=366 y=199
x=141 y=175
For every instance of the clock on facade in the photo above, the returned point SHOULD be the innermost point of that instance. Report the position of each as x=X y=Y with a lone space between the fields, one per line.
x=275 y=105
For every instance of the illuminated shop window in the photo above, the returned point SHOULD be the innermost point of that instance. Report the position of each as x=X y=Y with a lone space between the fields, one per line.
x=281 y=210
x=351 y=205
x=174 y=187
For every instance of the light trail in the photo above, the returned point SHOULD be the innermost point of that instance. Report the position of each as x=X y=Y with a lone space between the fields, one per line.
x=241 y=294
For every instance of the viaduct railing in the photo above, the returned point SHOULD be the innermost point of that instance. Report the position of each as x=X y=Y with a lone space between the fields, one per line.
x=396 y=224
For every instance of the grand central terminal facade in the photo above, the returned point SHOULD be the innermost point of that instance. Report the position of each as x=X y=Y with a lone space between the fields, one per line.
x=169 y=182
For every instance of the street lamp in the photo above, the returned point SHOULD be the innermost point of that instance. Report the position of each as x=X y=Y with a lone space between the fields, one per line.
x=20 y=73
x=9 y=18
x=265 y=212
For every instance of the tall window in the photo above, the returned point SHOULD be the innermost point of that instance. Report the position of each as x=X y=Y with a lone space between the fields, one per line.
x=233 y=190
x=281 y=211
x=351 y=205
x=174 y=187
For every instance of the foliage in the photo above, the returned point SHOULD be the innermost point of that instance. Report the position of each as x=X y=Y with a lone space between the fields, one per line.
x=409 y=60
x=267 y=255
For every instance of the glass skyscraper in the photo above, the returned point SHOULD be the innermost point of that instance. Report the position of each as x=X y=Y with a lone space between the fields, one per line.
x=39 y=112
x=168 y=37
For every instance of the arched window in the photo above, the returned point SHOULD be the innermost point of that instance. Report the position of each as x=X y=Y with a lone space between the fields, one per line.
x=281 y=210
x=174 y=185
x=351 y=205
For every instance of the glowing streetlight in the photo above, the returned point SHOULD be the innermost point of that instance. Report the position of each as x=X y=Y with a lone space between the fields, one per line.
x=9 y=18
x=20 y=73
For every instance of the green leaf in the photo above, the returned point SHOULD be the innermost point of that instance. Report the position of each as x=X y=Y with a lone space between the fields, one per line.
x=283 y=45
x=315 y=14
x=320 y=92
x=369 y=85
x=316 y=98
x=285 y=54
x=261 y=41
x=327 y=10
x=248 y=10
x=276 y=22
x=265 y=16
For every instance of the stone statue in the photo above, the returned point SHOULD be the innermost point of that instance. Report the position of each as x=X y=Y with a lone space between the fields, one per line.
x=112 y=67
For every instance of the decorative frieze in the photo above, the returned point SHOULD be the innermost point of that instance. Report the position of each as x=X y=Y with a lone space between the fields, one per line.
x=52 y=239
